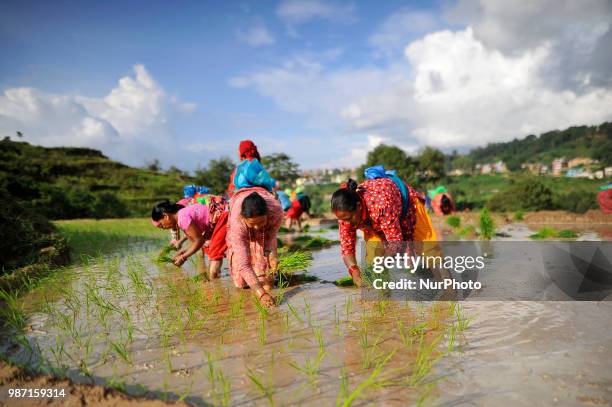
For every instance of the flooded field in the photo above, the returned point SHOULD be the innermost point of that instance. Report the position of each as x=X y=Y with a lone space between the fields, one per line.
x=127 y=322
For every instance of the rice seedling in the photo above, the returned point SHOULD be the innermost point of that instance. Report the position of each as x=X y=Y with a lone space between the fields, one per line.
x=344 y=387
x=337 y=323
x=164 y=255
x=308 y=311
x=262 y=330
x=318 y=334
x=372 y=381
x=115 y=382
x=368 y=349
x=424 y=360
x=451 y=338
x=311 y=367
x=463 y=322
x=266 y=389
x=225 y=399
x=11 y=312
x=121 y=351
x=295 y=313
x=424 y=394
x=348 y=304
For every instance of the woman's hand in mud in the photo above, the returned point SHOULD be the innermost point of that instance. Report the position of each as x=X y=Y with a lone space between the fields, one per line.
x=273 y=263
x=355 y=273
x=266 y=299
x=179 y=259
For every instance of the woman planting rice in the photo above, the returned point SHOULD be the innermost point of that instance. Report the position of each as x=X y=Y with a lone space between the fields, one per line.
x=376 y=207
x=254 y=219
x=247 y=150
x=200 y=223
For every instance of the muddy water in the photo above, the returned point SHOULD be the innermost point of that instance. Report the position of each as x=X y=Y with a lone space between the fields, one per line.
x=153 y=329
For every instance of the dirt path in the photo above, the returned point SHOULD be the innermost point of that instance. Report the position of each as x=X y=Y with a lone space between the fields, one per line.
x=75 y=394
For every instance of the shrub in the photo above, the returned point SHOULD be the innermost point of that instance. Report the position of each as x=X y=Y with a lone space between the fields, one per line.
x=519 y=215
x=487 y=226
x=453 y=221
x=529 y=194
x=577 y=202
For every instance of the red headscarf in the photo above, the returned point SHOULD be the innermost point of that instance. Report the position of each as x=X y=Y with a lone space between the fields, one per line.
x=248 y=150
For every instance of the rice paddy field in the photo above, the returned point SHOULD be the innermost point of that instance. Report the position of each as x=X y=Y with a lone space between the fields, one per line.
x=122 y=317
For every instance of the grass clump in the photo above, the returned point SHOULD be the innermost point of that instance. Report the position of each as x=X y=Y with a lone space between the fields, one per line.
x=468 y=232
x=453 y=221
x=551 y=233
x=519 y=215
x=345 y=282
x=567 y=234
x=487 y=226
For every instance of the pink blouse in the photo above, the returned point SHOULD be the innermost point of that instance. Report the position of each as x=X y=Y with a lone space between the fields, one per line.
x=196 y=213
x=247 y=249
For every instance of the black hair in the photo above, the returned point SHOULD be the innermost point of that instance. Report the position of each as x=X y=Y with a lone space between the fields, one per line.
x=254 y=205
x=164 y=207
x=346 y=198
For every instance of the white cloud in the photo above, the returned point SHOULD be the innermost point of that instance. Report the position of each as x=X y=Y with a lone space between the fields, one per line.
x=256 y=34
x=498 y=78
x=129 y=124
x=296 y=12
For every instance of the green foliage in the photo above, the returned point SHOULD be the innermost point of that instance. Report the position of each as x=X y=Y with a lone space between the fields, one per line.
x=567 y=234
x=24 y=235
x=577 y=201
x=164 y=255
x=294 y=261
x=430 y=163
x=530 y=193
x=68 y=183
x=320 y=197
x=216 y=175
x=487 y=226
x=281 y=167
x=582 y=141
x=519 y=215
x=551 y=233
x=453 y=221
x=345 y=282
x=393 y=158
x=544 y=233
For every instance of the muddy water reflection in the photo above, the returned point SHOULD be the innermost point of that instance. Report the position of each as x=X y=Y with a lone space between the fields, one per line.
x=160 y=330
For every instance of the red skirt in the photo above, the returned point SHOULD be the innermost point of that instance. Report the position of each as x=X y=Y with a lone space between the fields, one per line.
x=218 y=246
x=295 y=211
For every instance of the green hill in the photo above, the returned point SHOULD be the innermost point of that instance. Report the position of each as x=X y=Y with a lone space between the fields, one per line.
x=67 y=182
x=582 y=141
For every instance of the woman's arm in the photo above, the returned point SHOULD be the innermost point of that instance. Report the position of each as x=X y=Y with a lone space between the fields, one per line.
x=197 y=241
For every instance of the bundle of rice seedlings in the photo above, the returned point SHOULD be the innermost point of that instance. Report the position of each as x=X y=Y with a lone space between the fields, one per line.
x=345 y=282
x=294 y=261
x=164 y=255
x=290 y=262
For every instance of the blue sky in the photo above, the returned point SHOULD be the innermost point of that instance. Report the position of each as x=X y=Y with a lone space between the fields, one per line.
x=323 y=81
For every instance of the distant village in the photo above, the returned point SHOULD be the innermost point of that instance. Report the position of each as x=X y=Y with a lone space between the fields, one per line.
x=579 y=167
